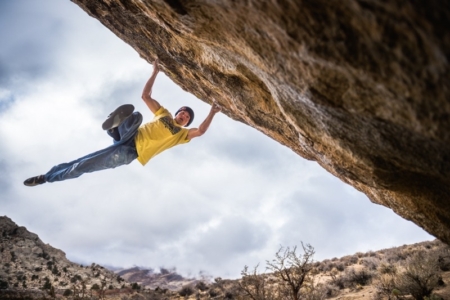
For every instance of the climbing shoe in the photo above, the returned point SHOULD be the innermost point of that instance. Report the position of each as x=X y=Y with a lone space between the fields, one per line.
x=36 y=180
x=118 y=116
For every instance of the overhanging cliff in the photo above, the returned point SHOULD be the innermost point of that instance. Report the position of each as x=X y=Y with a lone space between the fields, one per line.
x=360 y=86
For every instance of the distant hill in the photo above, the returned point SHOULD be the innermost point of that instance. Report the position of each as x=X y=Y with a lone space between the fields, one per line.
x=148 y=278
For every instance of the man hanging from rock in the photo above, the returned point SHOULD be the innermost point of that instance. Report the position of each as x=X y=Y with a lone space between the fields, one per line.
x=131 y=140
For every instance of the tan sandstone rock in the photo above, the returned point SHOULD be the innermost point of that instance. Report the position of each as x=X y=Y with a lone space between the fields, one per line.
x=360 y=86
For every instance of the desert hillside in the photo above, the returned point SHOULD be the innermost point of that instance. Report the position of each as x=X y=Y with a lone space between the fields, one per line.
x=31 y=269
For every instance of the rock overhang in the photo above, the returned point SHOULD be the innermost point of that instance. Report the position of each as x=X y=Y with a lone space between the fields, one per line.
x=359 y=86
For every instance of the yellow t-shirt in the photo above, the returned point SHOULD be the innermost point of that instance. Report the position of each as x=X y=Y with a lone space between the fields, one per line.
x=158 y=135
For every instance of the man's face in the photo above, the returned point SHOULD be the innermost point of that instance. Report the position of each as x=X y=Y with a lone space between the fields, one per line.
x=182 y=118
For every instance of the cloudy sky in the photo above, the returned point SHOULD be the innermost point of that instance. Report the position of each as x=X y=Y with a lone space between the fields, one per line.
x=221 y=202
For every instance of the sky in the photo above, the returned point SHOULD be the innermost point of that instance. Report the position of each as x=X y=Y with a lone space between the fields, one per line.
x=223 y=201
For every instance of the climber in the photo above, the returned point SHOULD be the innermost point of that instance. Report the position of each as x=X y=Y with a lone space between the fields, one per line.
x=132 y=141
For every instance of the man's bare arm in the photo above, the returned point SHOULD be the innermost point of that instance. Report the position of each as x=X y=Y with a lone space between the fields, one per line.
x=196 y=132
x=152 y=104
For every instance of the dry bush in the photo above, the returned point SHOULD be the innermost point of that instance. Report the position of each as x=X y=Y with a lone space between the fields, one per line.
x=202 y=286
x=340 y=266
x=254 y=285
x=352 y=278
x=325 y=266
x=315 y=291
x=292 y=270
x=387 y=268
x=350 y=259
x=442 y=252
x=372 y=254
x=386 y=283
x=394 y=255
x=370 y=263
x=421 y=275
x=330 y=290
x=291 y=277
x=385 y=286
x=186 y=291
x=417 y=275
x=337 y=281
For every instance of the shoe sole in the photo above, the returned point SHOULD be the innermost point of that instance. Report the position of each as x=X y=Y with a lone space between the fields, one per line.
x=34 y=181
x=118 y=116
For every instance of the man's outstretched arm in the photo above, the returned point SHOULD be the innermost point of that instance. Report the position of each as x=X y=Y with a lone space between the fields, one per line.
x=196 y=132
x=152 y=104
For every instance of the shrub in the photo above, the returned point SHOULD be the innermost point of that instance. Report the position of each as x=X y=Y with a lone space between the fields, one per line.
x=186 y=291
x=135 y=286
x=76 y=278
x=292 y=270
x=214 y=293
x=443 y=257
x=352 y=277
x=337 y=281
x=340 y=267
x=254 y=285
x=55 y=271
x=394 y=255
x=385 y=285
x=201 y=286
x=387 y=268
x=331 y=290
x=370 y=263
x=421 y=275
x=350 y=259
x=47 y=285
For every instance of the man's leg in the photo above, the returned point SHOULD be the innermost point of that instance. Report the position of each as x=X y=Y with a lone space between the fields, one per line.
x=122 y=152
x=108 y=158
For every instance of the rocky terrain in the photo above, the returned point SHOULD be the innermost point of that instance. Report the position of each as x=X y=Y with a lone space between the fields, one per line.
x=360 y=86
x=27 y=263
x=28 y=266
x=31 y=269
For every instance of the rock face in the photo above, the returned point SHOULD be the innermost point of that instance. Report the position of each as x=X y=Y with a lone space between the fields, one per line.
x=360 y=86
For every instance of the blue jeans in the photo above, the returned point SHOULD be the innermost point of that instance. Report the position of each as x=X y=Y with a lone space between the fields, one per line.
x=122 y=152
